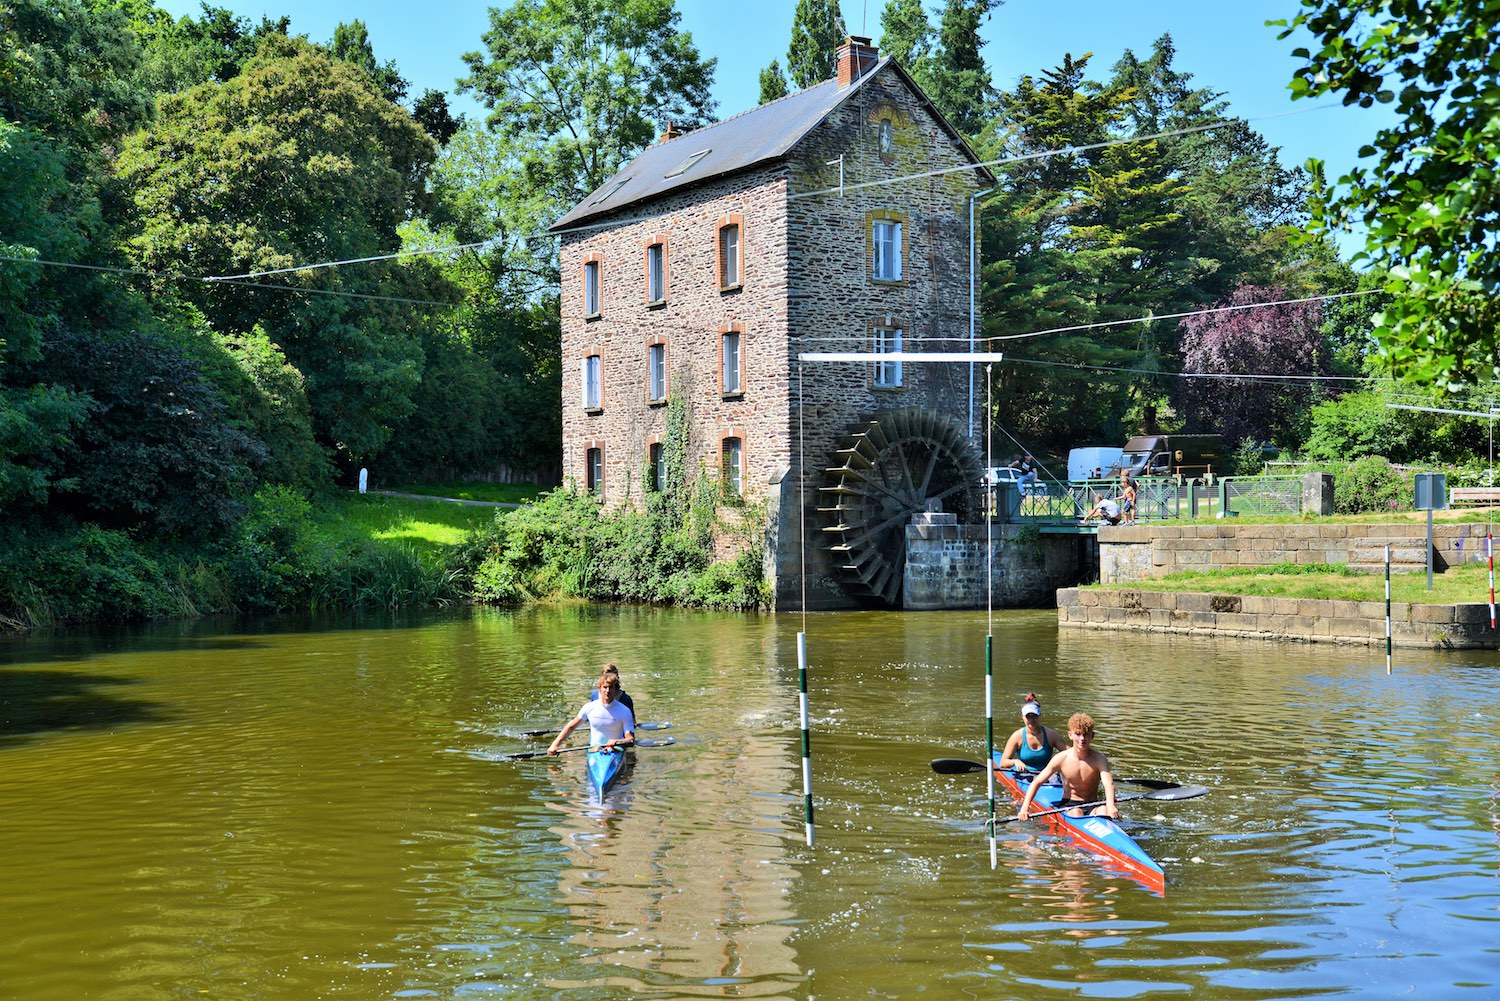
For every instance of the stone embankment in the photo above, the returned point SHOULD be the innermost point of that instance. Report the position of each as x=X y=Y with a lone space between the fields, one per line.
x=1140 y=553
x=1308 y=620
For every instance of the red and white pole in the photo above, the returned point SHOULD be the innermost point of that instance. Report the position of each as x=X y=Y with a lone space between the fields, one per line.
x=1489 y=549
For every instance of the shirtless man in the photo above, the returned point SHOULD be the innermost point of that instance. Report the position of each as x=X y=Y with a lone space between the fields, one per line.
x=1083 y=770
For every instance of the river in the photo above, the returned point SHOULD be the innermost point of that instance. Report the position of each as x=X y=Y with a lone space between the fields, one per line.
x=298 y=811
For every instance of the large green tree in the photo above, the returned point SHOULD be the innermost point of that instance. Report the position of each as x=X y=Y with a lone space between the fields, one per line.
x=1427 y=196
x=298 y=160
x=576 y=88
x=817 y=33
x=907 y=35
x=1121 y=228
x=957 y=79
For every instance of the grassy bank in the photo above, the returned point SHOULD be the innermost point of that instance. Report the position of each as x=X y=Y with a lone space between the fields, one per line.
x=432 y=528
x=1466 y=584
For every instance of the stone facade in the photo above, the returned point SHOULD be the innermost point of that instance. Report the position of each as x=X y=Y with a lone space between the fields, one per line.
x=689 y=323
x=808 y=285
x=1309 y=620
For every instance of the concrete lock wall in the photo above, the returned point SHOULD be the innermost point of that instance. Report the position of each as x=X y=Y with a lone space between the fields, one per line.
x=1311 y=620
x=1144 y=552
x=946 y=564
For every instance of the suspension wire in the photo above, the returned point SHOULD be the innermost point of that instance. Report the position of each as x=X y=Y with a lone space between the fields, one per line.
x=1065 y=151
x=353 y=260
x=1152 y=317
x=165 y=276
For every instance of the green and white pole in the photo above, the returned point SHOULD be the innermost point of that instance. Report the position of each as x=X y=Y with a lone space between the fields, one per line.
x=989 y=636
x=1388 y=609
x=807 y=800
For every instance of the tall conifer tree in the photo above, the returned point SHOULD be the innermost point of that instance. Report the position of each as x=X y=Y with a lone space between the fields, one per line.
x=959 y=83
x=817 y=32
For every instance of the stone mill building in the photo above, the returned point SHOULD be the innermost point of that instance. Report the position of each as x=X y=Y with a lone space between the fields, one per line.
x=834 y=220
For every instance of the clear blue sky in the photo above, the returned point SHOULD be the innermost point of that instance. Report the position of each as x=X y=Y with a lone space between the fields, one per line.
x=1223 y=43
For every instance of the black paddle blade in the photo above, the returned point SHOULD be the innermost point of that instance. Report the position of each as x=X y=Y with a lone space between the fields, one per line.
x=956 y=766
x=1175 y=792
x=663 y=742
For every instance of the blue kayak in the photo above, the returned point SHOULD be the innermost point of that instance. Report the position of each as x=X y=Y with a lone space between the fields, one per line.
x=1099 y=835
x=604 y=767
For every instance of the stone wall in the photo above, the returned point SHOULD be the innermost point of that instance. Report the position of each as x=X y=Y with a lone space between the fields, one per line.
x=1310 y=620
x=1144 y=552
x=945 y=566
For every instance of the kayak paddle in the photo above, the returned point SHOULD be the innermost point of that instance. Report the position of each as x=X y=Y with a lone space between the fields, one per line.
x=638 y=726
x=1171 y=793
x=961 y=766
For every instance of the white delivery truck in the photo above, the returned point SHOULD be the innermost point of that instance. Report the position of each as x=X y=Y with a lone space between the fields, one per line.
x=1082 y=462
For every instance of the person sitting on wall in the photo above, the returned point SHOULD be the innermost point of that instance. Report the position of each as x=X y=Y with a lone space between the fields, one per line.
x=1105 y=510
x=1028 y=467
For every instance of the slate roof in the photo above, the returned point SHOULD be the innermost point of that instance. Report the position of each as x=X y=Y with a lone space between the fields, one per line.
x=768 y=132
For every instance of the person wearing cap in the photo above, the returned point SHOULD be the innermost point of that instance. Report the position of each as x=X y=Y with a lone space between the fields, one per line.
x=1085 y=774
x=1031 y=747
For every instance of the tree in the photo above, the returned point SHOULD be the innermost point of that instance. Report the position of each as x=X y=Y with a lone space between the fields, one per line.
x=351 y=44
x=158 y=451
x=183 y=52
x=907 y=36
x=576 y=88
x=772 y=83
x=1428 y=200
x=296 y=161
x=958 y=81
x=817 y=33
x=1284 y=340
x=432 y=113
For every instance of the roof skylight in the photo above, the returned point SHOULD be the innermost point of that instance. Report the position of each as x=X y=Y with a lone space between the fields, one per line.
x=688 y=164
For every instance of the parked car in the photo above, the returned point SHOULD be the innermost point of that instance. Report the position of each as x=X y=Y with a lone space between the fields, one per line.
x=999 y=475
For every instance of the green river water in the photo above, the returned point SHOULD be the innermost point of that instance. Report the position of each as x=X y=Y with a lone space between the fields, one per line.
x=297 y=811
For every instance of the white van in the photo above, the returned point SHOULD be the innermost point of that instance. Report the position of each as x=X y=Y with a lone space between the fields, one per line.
x=1083 y=461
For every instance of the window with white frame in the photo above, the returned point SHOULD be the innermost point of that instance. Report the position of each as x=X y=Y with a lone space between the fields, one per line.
x=729 y=256
x=656 y=371
x=733 y=451
x=885 y=238
x=592 y=381
x=656 y=273
x=732 y=362
x=591 y=288
x=593 y=463
x=887 y=340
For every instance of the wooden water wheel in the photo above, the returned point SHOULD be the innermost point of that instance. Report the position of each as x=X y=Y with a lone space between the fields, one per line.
x=884 y=472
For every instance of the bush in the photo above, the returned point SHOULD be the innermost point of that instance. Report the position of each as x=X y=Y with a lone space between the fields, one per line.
x=1370 y=485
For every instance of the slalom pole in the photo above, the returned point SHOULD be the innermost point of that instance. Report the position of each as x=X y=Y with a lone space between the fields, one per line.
x=1489 y=551
x=807 y=800
x=1387 y=609
x=989 y=609
x=989 y=739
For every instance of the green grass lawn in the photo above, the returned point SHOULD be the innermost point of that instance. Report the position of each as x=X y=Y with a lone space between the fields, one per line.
x=504 y=493
x=430 y=527
x=1465 y=584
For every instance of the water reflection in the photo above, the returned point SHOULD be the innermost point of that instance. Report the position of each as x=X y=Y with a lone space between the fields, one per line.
x=298 y=811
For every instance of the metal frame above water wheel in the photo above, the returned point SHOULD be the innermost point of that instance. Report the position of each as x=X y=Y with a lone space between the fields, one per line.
x=882 y=474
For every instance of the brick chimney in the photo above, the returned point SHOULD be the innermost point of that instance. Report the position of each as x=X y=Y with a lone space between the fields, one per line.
x=671 y=132
x=856 y=56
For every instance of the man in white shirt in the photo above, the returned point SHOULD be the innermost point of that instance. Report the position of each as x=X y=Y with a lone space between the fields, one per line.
x=610 y=723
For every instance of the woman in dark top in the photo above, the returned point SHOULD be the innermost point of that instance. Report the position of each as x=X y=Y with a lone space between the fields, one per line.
x=1031 y=747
